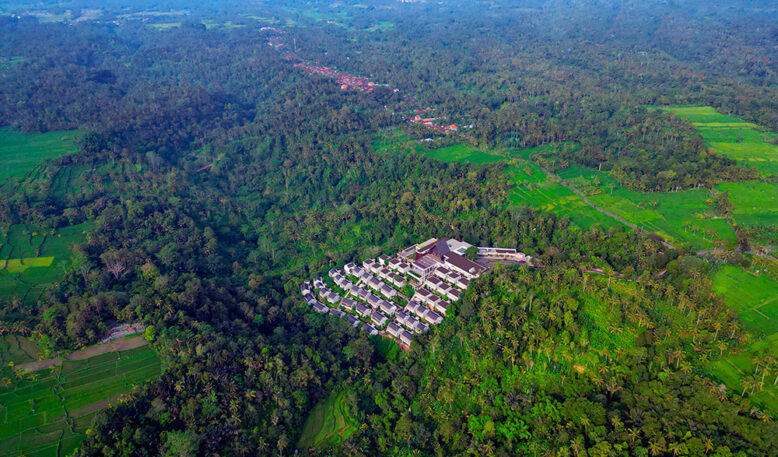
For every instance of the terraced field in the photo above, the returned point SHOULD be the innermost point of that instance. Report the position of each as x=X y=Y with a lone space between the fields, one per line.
x=329 y=423
x=31 y=258
x=48 y=412
x=20 y=153
x=755 y=299
x=732 y=137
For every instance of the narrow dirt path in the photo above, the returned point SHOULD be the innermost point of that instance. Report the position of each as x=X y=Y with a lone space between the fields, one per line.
x=123 y=344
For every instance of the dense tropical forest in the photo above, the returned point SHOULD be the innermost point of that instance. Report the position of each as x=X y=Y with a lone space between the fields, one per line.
x=181 y=169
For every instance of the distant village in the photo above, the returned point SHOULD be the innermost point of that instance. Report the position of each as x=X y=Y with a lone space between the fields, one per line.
x=348 y=81
x=421 y=116
x=404 y=294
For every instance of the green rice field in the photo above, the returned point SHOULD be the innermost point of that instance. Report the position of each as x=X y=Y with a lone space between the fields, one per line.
x=462 y=153
x=31 y=259
x=20 y=153
x=755 y=299
x=684 y=218
x=731 y=137
x=329 y=423
x=48 y=413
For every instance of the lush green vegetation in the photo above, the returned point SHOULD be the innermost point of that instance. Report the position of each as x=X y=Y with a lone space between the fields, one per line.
x=48 y=413
x=20 y=153
x=732 y=137
x=215 y=176
x=329 y=423
x=33 y=258
x=752 y=293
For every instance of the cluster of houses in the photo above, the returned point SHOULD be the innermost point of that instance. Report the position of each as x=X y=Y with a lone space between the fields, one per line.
x=430 y=122
x=404 y=294
x=346 y=80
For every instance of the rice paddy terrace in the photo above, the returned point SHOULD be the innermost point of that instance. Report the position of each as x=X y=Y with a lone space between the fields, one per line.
x=32 y=256
x=48 y=412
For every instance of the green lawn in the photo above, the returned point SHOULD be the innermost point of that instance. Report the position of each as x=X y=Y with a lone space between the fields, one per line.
x=52 y=409
x=20 y=153
x=329 y=423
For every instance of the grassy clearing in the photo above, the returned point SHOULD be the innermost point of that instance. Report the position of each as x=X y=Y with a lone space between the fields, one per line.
x=463 y=153
x=52 y=409
x=755 y=204
x=683 y=217
x=20 y=153
x=329 y=423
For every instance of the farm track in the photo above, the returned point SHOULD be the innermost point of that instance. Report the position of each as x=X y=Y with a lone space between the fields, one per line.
x=99 y=349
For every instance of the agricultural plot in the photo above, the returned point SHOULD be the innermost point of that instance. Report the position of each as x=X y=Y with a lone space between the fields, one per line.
x=755 y=203
x=462 y=153
x=731 y=137
x=15 y=350
x=47 y=413
x=755 y=299
x=329 y=423
x=739 y=372
x=20 y=153
x=31 y=259
x=683 y=217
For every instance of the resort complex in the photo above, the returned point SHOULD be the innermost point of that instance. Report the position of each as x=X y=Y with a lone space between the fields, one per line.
x=404 y=294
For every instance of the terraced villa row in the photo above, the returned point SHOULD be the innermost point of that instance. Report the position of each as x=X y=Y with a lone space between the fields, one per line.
x=401 y=295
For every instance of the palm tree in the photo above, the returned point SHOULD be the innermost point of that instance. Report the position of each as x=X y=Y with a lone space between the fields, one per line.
x=655 y=448
x=717 y=326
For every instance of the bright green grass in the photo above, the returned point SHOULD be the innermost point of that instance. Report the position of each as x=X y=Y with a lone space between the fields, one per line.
x=755 y=298
x=329 y=423
x=20 y=153
x=32 y=411
x=680 y=217
x=755 y=204
x=19 y=265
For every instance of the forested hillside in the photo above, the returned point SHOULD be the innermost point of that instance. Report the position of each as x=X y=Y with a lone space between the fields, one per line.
x=193 y=176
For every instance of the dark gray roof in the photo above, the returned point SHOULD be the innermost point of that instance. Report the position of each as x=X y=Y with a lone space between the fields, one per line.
x=464 y=264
